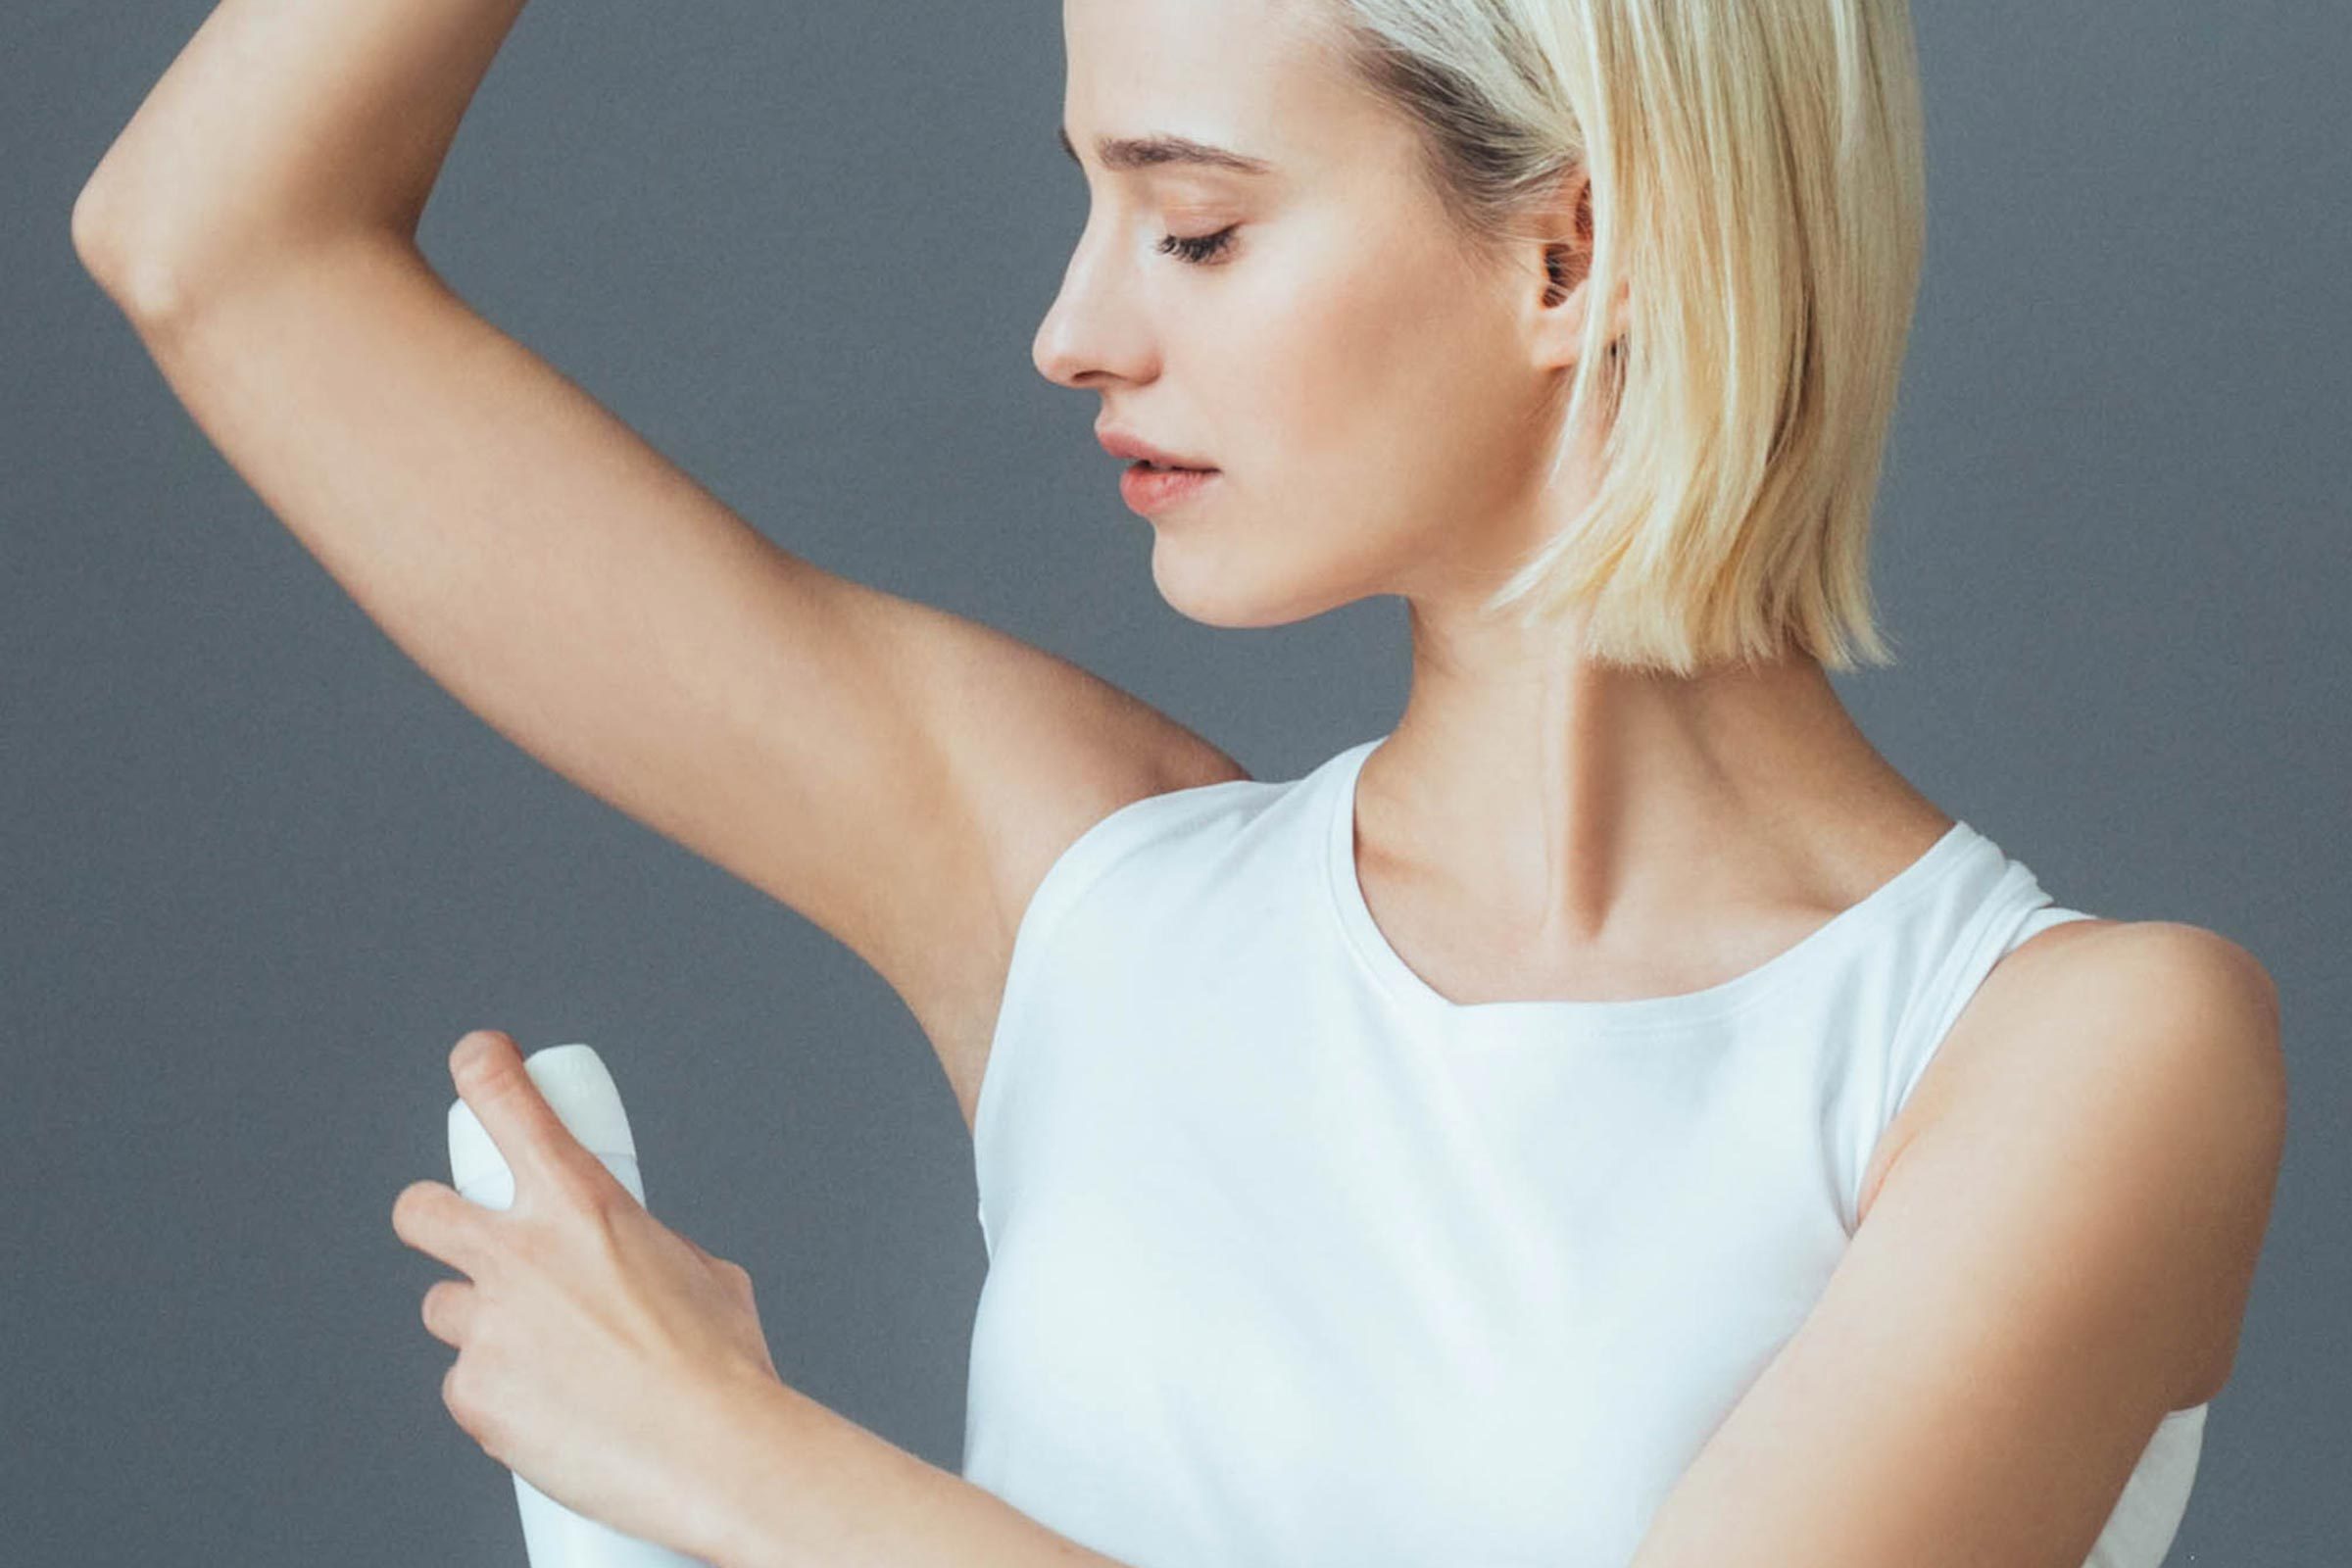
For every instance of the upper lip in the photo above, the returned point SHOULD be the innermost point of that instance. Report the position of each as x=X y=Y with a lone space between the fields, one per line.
x=1121 y=444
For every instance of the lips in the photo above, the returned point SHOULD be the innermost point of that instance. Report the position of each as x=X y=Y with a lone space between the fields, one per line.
x=1125 y=444
x=1150 y=490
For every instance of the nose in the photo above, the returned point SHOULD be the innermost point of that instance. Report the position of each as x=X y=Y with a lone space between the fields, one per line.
x=1092 y=330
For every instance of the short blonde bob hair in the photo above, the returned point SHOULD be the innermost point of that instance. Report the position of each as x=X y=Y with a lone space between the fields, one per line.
x=1758 y=185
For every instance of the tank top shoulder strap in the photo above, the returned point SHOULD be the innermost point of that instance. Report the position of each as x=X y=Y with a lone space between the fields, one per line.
x=2041 y=920
x=1050 y=927
x=2011 y=910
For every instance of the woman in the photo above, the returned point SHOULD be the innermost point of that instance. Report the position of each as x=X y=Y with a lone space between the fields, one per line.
x=1615 y=1117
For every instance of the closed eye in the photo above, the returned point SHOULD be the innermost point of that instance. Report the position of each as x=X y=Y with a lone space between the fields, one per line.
x=1200 y=248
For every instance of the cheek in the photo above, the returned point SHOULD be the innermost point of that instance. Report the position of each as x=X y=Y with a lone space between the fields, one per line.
x=1382 y=401
x=1363 y=412
x=1340 y=364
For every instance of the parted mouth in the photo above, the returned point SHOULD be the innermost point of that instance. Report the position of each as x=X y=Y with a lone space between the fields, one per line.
x=1124 y=444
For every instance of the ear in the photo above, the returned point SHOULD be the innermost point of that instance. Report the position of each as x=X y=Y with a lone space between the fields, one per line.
x=1560 y=306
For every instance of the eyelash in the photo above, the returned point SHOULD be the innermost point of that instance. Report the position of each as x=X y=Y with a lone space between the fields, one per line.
x=1199 y=250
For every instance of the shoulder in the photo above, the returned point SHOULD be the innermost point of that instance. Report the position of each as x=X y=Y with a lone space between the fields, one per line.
x=2192 y=1011
x=2091 y=996
x=2140 y=1062
x=2176 y=998
x=2189 y=961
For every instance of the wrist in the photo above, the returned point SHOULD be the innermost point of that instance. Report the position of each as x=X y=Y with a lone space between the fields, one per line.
x=750 y=1477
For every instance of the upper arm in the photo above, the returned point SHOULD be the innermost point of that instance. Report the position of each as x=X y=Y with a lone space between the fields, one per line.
x=2052 y=1264
x=897 y=775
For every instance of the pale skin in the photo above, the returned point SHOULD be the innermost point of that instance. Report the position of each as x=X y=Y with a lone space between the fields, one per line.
x=2059 y=1234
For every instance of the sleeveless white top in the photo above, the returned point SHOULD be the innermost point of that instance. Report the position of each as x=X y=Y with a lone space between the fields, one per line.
x=1294 y=1261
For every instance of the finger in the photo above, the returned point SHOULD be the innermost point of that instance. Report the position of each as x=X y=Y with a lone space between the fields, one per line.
x=441 y=1222
x=538 y=1148
x=448 y=1311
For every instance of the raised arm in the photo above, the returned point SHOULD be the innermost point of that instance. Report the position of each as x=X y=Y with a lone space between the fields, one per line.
x=898 y=775
x=283 y=125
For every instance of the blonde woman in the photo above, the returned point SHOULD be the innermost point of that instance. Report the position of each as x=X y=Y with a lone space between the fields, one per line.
x=1612 y=1118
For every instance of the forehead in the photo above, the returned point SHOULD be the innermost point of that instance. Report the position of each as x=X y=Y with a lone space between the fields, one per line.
x=1255 y=75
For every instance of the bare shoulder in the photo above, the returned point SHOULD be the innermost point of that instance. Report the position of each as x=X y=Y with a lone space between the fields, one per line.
x=2160 y=995
x=2101 y=990
x=2150 y=1050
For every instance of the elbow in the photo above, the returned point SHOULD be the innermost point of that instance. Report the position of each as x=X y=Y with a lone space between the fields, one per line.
x=94 y=238
x=106 y=255
x=143 y=279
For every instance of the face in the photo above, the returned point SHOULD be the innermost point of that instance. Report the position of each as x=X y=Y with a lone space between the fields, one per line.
x=1377 y=399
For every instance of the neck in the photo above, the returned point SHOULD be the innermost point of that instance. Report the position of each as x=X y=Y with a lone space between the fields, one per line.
x=1581 y=810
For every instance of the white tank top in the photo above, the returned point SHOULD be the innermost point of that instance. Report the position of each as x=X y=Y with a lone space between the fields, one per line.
x=1293 y=1260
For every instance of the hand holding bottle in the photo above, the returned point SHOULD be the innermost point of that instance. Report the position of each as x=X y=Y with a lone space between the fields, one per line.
x=605 y=1360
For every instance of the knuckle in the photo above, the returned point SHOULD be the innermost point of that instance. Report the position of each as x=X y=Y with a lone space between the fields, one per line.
x=583 y=1186
x=576 y=1208
x=561 y=1181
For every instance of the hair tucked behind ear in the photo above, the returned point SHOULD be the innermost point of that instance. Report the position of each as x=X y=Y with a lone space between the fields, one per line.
x=1759 y=187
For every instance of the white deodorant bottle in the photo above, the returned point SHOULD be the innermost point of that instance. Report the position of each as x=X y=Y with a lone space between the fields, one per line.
x=574 y=1080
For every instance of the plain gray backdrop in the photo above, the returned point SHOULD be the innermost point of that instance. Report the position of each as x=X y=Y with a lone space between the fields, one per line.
x=259 y=872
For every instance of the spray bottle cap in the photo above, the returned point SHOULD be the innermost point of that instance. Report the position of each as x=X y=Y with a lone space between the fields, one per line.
x=574 y=1080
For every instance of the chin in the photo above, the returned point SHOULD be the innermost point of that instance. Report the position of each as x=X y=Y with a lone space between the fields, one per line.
x=1222 y=590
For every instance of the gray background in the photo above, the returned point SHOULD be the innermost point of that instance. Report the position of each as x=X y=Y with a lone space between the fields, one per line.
x=259 y=872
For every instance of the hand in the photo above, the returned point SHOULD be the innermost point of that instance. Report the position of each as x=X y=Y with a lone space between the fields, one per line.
x=600 y=1354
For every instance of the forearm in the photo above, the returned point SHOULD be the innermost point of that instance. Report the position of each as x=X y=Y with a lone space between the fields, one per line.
x=809 y=1487
x=284 y=119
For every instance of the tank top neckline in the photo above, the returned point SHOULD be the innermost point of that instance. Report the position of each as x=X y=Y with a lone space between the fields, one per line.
x=1514 y=1018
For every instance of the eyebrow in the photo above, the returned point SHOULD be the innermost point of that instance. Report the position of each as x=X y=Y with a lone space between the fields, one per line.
x=1128 y=153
